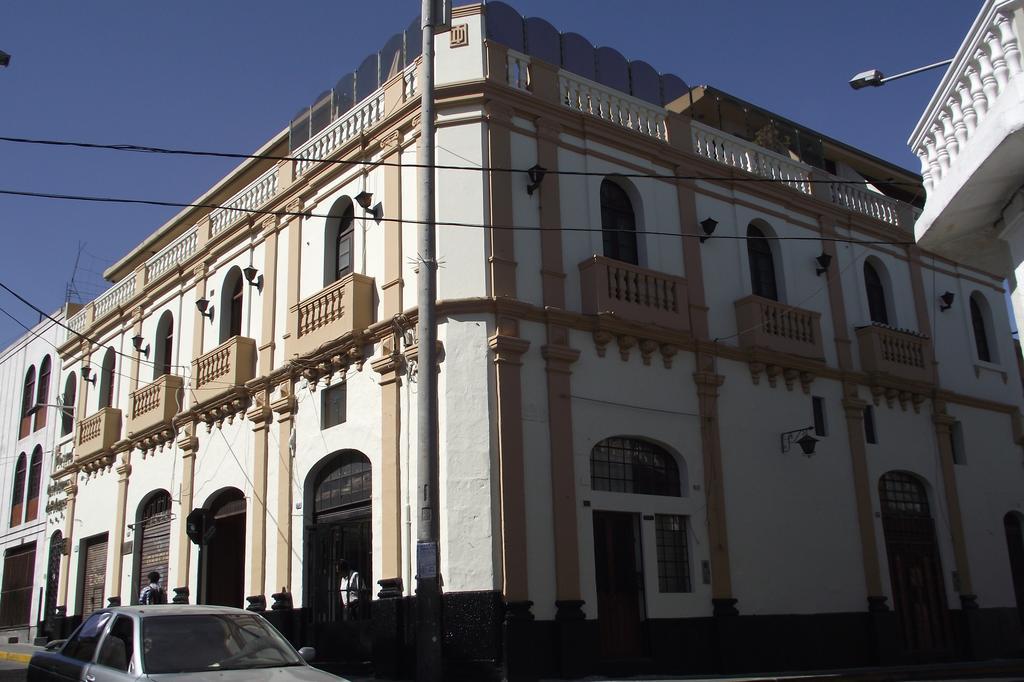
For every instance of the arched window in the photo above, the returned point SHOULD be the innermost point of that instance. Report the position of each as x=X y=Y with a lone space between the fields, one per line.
x=67 y=415
x=231 y=305
x=338 y=241
x=876 y=294
x=43 y=393
x=18 y=493
x=28 y=395
x=618 y=223
x=629 y=465
x=981 y=323
x=762 y=265
x=35 y=472
x=346 y=483
x=107 y=373
x=903 y=494
x=162 y=360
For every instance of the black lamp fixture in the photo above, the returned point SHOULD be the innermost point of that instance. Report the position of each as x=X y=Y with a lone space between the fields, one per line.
x=365 y=200
x=947 y=301
x=87 y=375
x=137 y=342
x=536 y=174
x=824 y=261
x=708 y=225
x=202 y=304
x=252 y=278
x=801 y=437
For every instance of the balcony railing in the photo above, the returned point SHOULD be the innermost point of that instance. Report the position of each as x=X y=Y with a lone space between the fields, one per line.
x=256 y=194
x=763 y=323
x=341 y=308
x=156 y=404
x=733 y=151
x=581 y=94
x=988 y=59
x=178 y=251
x=898 y=353
x=98 y=433
x=224 y=368
x=634 y=293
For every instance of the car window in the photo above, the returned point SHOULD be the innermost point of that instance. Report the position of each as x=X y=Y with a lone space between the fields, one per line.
x=210 y=642
x=116 y=650
x=82 y=644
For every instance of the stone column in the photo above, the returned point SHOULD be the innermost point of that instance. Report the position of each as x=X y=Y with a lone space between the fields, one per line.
x=70 y=492
x=124 y=471
x=284 y=408
x=188 y=444
x=259 y=415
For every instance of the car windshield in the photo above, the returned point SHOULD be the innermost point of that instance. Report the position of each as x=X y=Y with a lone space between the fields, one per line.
x=210 y=642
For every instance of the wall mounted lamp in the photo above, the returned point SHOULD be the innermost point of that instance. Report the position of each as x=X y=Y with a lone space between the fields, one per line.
x=801 y=437
x=708 y=225
x=137 y=342
x=365 y=200
x=252 y=278
x=824 y=261
x=536 y=174
x=947 y=301
x=87 y=375
x=202 y=304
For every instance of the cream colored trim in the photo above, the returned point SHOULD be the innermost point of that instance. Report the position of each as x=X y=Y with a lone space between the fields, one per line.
x=284 y=408
x=260 y=418
x=502 y=258
x=124 y=471
x=269 y=322
x=854 y=409
x=71 y=492
x=943 y=423
x=188 y=444
x=708 y=383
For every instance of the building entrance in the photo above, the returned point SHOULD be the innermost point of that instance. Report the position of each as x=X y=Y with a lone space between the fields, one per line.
x=619 y=572
x=223 y=556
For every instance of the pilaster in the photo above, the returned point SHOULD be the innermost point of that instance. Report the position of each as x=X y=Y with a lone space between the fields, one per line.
x=259 y=415
x=269 y=230
x=943 y=425
x=502 y=259
x=284 y=408
x=189 y=445
x=124 y=471
x=389 y=368
x=71 y=494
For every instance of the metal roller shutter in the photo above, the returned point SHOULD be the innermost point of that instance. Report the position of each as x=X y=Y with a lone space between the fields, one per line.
x=94 y=575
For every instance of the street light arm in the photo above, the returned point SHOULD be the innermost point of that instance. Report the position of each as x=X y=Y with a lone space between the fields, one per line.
x=875 y=78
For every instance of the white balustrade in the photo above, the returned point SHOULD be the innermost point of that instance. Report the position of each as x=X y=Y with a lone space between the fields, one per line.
x=409 y=85
x=114 y=296
x=580 y=94
x=987 y=61
x=518 y=70
x=863 y=200
x=178 y=251
x=360 y=118
x=258 y=193
x=732 y=151
x=76 y=323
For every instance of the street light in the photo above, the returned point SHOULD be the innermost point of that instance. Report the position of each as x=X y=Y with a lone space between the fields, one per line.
x=875 y=78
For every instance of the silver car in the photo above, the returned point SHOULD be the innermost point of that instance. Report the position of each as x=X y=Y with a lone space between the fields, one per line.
x=176 y=642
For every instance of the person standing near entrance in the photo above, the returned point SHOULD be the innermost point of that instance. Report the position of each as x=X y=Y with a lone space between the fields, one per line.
x=349 y=588
x=153 y=593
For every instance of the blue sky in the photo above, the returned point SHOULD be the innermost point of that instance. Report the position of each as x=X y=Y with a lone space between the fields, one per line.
x=227 y=76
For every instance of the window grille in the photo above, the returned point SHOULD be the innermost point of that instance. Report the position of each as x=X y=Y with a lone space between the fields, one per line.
x=627 y=465
x=673 y=553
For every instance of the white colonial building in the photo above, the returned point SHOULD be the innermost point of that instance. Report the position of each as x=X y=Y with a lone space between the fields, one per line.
x=31 y=420
x=625 y=404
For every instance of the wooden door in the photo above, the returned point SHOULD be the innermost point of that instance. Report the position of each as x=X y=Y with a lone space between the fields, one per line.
x=1015 y=548
x=94 y=575
x=619 y=573
x=918 y=590
x=16 y=593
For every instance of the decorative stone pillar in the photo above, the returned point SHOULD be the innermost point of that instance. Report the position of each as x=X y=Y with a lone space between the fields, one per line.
x=269 y=231
x=133 y=377
x=259 y=415
x=124 y=471
x=189 y=445
x=388 y=367
x=199 y=321
x=284 y=408
x=502 y=259
x=70 y=493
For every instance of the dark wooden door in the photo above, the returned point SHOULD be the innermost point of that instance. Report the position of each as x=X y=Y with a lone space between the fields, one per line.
x=918 y=590
x=94 y=575
x=16 y=594
x=619 y=575
x=1015 y=548
x=52 y=582
x=345 y=632
x=224 y=555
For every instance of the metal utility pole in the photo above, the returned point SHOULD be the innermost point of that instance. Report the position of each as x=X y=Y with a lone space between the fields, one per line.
x=436 y=13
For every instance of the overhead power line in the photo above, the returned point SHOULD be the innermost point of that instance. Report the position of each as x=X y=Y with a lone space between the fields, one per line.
x=409 y=221
x=146 y=149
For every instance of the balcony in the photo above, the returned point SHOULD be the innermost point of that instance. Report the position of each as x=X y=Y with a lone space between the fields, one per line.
x=633 y=293
x=339 y=309
x=770 y=325
x=225 y=368
x=155 y=405
x=97 y=433
x=900 y=354
x=970 y=140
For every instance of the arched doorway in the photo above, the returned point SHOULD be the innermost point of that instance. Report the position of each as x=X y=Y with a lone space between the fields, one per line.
x=223 y=556
x=915 y=570
x=152 y=541
x=1015 y=548
x=340 y=534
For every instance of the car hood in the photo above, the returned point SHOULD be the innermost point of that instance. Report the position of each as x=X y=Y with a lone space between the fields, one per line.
x=295 y=673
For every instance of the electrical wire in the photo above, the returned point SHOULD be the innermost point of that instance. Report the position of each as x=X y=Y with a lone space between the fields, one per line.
x=147 y=149
x=438 y=223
